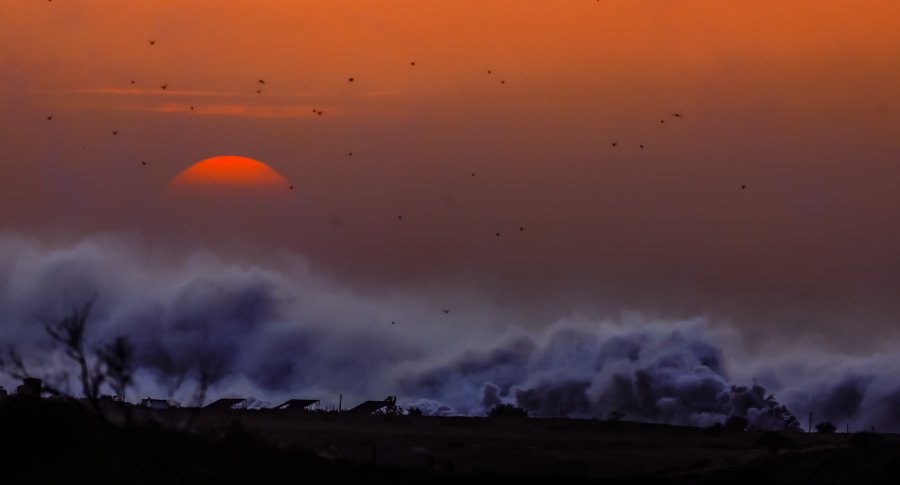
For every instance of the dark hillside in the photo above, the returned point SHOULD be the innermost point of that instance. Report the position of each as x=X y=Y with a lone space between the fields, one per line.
x=54 y=442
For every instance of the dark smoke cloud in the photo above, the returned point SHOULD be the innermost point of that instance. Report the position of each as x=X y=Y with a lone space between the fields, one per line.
x=274 y=334
x=672 y=375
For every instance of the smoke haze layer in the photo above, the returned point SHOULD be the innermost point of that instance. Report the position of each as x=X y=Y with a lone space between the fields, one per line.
x=278 y=330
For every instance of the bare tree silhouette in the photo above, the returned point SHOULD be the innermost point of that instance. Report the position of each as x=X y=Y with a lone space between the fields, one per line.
x=69 y=331
x=14 y=359
x=118 y=359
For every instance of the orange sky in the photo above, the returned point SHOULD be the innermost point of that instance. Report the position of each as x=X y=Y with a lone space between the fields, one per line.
x=798 y=100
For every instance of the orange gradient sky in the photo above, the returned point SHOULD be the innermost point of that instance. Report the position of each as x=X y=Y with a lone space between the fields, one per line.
x=799 y=101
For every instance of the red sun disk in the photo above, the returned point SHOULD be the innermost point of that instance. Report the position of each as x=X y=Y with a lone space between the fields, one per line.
x=229 y=172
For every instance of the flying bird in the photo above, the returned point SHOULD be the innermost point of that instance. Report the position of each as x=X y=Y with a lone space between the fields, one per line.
x=642 y=146
x=743 y=186
x=392 y=323
x=498 y=233
x=473 y=174
x=445 y=311
x=164 y=86
x=115 y=132
x=412 y=63
x=132 y=82
x=261 y=81
x=676 y=115
x=521 y=228
x=152 y=42
x=49 y=117
x=489 y=72
x=258 y=91
x=292 y=187
x=320 y=112
x=662 y=121
x=351 y=79
x=351 y=154
x=399 y=217
x=614 y=143
x=143 y=163
x=502 y=82
x=192 y=108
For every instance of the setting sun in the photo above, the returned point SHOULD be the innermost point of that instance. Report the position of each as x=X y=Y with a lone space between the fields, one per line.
x=229 y=172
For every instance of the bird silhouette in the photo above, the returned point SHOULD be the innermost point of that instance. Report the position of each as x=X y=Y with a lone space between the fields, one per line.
x=412 y=63
x=132 y=82
x=115 y=132
x=351 y=79
x=258 y=91
x=392 y=323
x=143 y=163
x=473 y=174
x=498 y=233
x=743 y=186
x=152 y=42
x=314 y=111
x=164 y=86
x=489 y=72
x=676 y=115
x=192 y=108
x=445 y=311
x=521 y=228
x=261 y=81
x=399 y=217
x=49 y=117
x=662 y=121
x=320 y=112
x=614 y=143
x=292 y=187
x=642 y=146
x=502 y=82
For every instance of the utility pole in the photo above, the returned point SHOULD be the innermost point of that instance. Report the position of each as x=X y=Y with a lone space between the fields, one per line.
x=810 y=422
x=848 y=428
x=340 y=402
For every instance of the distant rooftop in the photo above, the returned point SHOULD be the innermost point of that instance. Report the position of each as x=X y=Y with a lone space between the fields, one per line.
x=367 y=407
x=224 y=404
x=296 y=404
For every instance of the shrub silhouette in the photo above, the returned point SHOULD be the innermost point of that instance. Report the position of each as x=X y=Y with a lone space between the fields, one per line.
x=612 y=419
x=414 y=412
x=507 y=411
x=826 y=427
x=736 y=423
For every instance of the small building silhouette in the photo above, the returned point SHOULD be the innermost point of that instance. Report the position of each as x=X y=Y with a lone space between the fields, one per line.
x=368 y=407
x=155 y=403
x=296 y=405
x=31 y=387
x=225 y=405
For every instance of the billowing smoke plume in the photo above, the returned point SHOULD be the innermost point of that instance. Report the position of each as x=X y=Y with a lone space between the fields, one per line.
x=201 y=324
x=660 y=375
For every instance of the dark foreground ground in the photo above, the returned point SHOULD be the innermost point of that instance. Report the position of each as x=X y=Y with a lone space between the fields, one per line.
x=51 y=442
